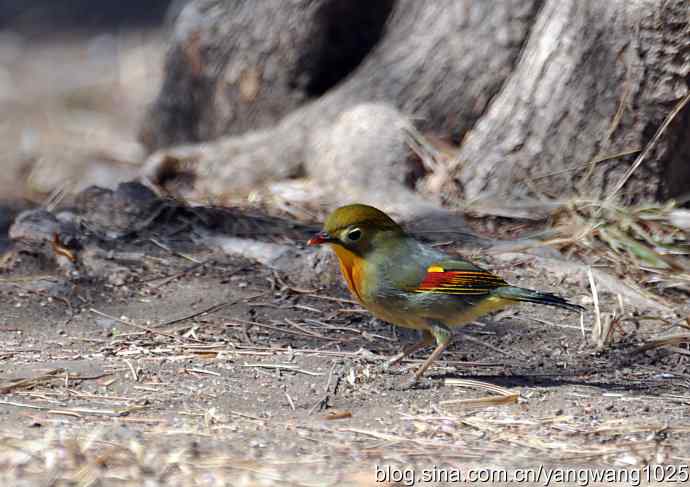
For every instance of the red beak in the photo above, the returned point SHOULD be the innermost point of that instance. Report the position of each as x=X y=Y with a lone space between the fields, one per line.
x=320 y=238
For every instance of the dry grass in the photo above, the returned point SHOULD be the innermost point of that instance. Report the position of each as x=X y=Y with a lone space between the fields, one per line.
x=644 y=240
x=640 y=254
x=201 y=449
x=642 y=246
x=96 y=459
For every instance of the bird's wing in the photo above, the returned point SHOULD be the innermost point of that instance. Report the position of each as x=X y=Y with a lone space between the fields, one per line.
x=458 y=277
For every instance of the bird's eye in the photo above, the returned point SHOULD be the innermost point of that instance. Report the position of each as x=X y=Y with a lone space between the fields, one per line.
x=354 y=234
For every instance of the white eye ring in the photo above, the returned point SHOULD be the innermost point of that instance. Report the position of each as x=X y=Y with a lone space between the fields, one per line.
x=354 y=234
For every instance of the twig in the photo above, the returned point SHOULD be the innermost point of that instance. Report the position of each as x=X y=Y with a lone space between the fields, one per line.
x=350 y=329
x=662 y=342
x=135 y=376
x=559 y=325
x=486 y=386
x=174 y=252
x=30 y=382
x=58 y=194
x=292 y=404
x=166 y=279
x=648 y=148
x=245 y=415
x=352 y=311
x=134 y=325
x=331 y=298
x=210 y=309
x=203 y=371
x=483 y=401
x=307 y=331
x=307 y=308
x=291 y=368
x=74 y=411
x=465 y=336
x=596 y=160
x=279 y=329
x=596 y=331
x=333 y=415
x=330 y=377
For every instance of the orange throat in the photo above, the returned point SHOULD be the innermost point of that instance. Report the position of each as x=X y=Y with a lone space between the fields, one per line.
x=352 y=268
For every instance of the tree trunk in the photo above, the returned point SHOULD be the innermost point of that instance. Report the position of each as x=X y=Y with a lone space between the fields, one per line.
x=596 y=79
x=236 y=66
x=325 y=88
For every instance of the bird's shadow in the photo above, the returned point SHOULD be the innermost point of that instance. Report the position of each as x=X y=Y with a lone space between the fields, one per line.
x=567 y=378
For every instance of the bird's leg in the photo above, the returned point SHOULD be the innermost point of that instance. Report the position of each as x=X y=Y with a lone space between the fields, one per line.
x=407 y=350
x=442 y=335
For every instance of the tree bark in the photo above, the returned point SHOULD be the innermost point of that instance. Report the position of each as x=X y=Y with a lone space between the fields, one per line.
x=243 y=65
x=408 y=56
x=532 y=90
x=595 y=79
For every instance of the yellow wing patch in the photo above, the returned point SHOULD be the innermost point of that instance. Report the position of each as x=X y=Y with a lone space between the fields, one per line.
x=439 y=280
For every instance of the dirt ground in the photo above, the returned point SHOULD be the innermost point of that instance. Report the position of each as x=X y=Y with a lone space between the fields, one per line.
x=200 y=368
x=208 y=369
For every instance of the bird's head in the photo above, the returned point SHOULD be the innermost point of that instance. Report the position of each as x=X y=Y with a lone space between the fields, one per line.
x=358 y=228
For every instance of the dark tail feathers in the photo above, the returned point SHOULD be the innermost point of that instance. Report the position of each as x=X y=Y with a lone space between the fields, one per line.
x=529 y=296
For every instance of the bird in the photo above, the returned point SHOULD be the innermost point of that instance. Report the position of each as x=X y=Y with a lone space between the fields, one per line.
x=408 y=283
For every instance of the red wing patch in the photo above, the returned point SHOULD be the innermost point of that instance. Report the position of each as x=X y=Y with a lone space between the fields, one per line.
x=438 y=280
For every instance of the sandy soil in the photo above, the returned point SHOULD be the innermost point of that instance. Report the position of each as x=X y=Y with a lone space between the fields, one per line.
x=222 y=371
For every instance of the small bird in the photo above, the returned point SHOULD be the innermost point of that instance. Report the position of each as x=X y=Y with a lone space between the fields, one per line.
x=407 y=283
